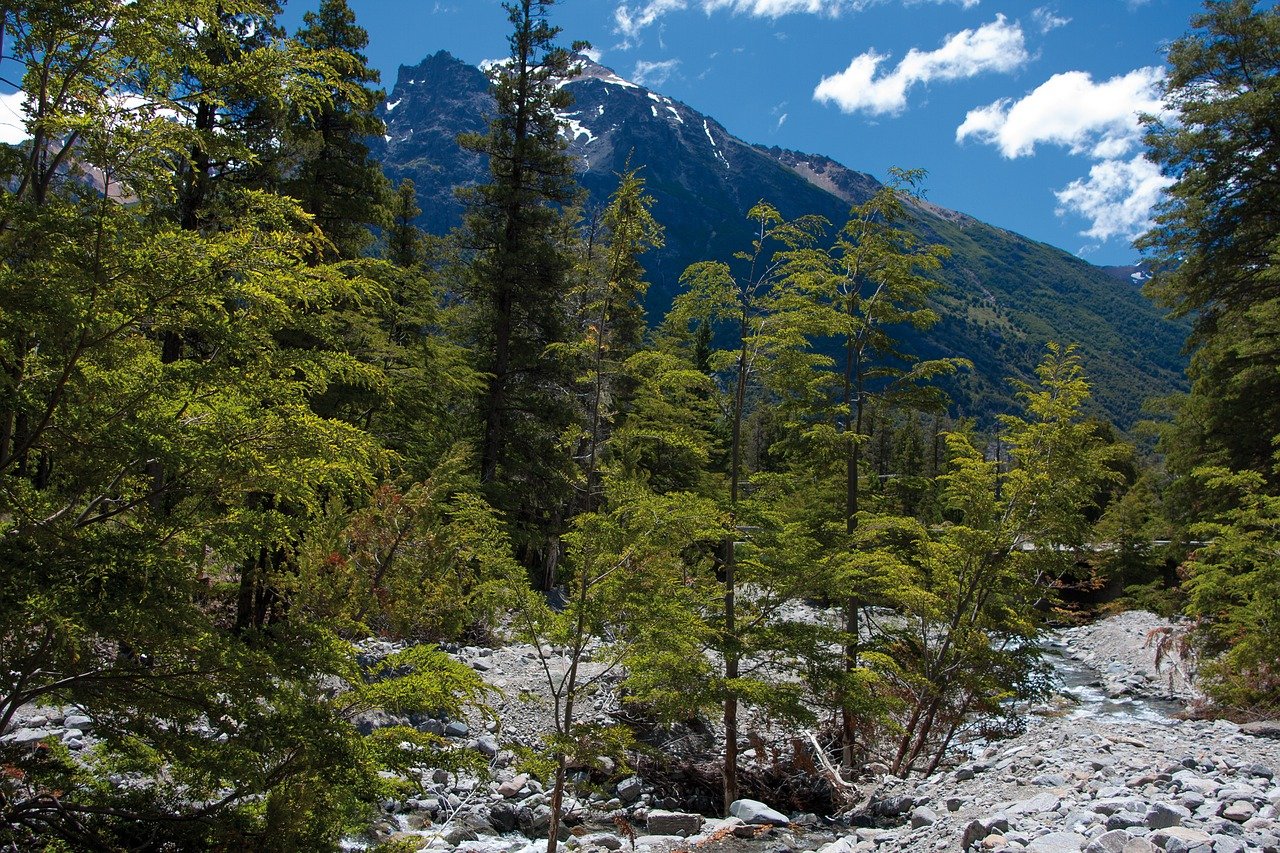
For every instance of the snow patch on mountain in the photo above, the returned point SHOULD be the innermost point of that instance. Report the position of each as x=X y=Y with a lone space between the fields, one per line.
x=391 y=105
x=707 y=130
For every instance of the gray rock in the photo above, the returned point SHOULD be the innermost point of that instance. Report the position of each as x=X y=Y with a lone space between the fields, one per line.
x=456 y=728
x=1261 y=770
x=78 y=721
x=1162 y=815
x=629 y=789
x=1140 y=845
x=1109 y=842
x=923 y=816
x=1179 y=838
x=504 y=817
x=27 y=736
x=1227 y=844
x=756 y=813
x=600 y=841
x=974 y=831
x=1050 y=780
x=663 y=822
x=1239 y=811
x=1045 y=802
x=1058 y=842
x=534 y=820
x=1125 y=820
x=1262 y=728
x=486 y=745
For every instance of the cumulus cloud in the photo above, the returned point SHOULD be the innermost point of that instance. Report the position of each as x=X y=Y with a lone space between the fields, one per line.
x=1070 y=109
x=1098 y=120
x=631 y=18
x=997 y=46
x=12 y=129
x=1116 y=198
x=653 y=73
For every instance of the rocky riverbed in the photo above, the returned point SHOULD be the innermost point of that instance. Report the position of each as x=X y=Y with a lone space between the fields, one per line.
x=1104 y=768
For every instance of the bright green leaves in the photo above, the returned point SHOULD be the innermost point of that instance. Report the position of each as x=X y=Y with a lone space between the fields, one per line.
x=1234 y=586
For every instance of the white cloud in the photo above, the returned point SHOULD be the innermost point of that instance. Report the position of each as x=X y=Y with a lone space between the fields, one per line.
x=1046 y=19
x=997 y=46
x=1069 y=109
x=12 y=129
x=653 y=73
x=630 y=18
x=1116 y=198
x=1096 y=120
x=594 y=54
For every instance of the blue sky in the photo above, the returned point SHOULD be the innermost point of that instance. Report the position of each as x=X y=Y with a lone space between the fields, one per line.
x=1023 y=113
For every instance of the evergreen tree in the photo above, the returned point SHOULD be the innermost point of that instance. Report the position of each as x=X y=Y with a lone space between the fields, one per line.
x=1215 y=239
x=334 y=179
x=125 y=460
x=518 y=280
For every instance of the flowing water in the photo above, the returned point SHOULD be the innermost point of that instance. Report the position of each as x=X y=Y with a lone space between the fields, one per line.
x=1083 y=684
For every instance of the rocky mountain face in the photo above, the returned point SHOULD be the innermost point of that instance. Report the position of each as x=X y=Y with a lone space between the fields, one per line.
x=1004 y=295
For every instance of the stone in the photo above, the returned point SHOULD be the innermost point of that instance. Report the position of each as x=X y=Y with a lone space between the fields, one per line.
x=629 y=789
x=1045 y=802
x=662 y=822
x=1109 y=842
x=600 y=841
x=964 y=774
x=513 y=787
x=486 y=745
x=78 y=721
x=1161 y=815
x=1262 y=728
x=504 y=817
x=923 y=816
x=1261 y=770
x=1058 y=842
x=533 y=820
x=1239 y=811
x=1050 y=780
x=1227 y=844
x=756 y=813
x=1124 y=820
x=1184 y=836
x=1140 y=845
x=27 y=736
x=974 y=831
x=456 y=728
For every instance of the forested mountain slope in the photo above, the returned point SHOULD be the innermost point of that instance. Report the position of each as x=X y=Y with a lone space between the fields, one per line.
x=1005 y=295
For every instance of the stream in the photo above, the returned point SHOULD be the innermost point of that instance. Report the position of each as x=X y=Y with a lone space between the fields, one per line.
x=1083 y=684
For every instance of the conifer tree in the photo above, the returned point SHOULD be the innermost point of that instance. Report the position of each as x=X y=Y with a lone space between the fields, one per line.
x=334 y=179
x=518 y=280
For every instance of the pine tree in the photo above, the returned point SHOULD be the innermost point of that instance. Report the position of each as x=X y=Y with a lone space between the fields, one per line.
x=518 y=281
x=334 y=179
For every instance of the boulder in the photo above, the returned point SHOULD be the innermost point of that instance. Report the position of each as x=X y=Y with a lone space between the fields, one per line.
x=1262 y=728
x=756 y=813
x=1058 y=842
x=923 y=816
x=1109 y=842
x=663 y=822
x=629 y=789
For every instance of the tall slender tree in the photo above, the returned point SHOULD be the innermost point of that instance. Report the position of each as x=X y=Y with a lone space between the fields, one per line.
x=519 y=278
x=334 y=179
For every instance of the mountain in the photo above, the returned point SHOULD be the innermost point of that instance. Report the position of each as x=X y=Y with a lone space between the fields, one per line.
x=1004 y=295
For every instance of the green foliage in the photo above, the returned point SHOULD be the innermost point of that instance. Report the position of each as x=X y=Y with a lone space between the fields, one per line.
x=518 y=278
x=428 y=562
x=333 y=178
x=1234 y=588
